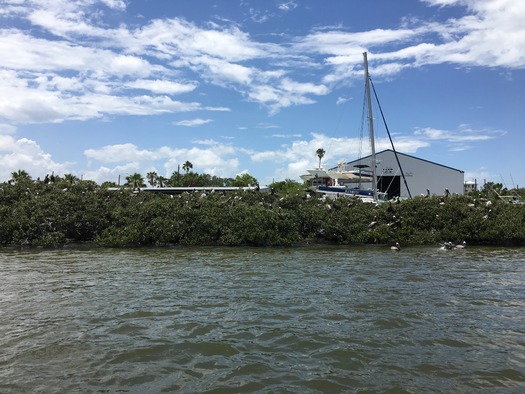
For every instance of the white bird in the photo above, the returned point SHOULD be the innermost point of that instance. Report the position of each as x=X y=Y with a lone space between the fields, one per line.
x=462 y=245
x=447 y=246
x=488 y=215
x=373 y=224
x=396 y=247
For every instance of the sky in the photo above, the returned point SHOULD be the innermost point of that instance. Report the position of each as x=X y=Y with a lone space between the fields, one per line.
x=103 y=89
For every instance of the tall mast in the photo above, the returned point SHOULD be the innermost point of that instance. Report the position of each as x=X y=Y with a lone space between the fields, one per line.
x=371 y=127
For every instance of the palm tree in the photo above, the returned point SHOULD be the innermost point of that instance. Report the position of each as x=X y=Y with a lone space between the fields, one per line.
x=20 y=176
x=109 y=184
x=187 y=166
x=320 y=154
x=135 y=180
x=152 y=178
x=162 y=180
x=70 y=178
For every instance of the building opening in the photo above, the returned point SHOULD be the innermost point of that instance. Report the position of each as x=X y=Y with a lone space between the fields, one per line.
x=390 y=185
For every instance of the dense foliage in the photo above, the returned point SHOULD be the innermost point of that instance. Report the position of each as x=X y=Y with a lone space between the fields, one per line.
x=72 y=210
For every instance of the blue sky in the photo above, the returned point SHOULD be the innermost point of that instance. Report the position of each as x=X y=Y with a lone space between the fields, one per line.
x=107 y=88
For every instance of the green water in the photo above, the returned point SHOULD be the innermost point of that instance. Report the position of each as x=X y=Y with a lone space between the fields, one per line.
x=304 y=320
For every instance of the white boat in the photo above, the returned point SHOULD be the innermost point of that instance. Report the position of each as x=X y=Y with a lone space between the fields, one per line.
x=336 y=174
x=315 y=173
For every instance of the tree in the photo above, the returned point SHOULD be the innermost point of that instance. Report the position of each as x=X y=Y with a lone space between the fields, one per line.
x=187 y=166
x=20 y=176
x=174 y=180
x=70 y=178
x=162 y=181
x=135 y=180
x=320 y=154
x=192 y=179
x=244 y=180
x=152 y=178
x=492 y=190
x=288 y=186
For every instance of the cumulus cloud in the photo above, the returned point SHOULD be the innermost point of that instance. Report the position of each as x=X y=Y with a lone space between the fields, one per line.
x=125 y=152
x=294 y=158
x=25 y=154
x=214 y=158
x=115 y=174
x=69 y=63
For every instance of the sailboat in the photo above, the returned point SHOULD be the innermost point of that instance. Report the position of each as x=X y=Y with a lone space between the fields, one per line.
x=368 y=195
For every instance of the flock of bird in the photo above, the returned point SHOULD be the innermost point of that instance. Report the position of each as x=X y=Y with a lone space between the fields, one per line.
x=445 y=246
x=450 y=245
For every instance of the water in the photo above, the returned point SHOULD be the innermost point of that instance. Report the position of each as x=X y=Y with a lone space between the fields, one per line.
x=305 y=320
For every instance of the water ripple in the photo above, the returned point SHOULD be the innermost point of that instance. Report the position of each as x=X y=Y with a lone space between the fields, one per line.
x=219 y=320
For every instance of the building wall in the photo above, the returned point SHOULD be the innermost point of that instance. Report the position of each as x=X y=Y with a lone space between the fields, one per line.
x=420 y=174
x=470 y=186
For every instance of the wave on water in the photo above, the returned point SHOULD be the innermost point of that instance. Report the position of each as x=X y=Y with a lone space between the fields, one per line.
x=311 y=319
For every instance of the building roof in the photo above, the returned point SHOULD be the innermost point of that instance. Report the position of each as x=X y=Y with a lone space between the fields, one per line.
x=404 y=154
x=188 y=189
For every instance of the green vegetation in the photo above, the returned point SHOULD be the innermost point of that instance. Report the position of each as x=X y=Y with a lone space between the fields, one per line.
x=65 y=209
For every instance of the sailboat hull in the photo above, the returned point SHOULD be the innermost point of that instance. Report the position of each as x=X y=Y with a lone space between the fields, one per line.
x=345 y=190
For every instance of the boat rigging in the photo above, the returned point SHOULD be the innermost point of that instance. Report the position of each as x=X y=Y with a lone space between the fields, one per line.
x=332 y=188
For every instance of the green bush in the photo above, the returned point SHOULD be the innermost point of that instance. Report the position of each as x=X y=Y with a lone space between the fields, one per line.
x=48 y=215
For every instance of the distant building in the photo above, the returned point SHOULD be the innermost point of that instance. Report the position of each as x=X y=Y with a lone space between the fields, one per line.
x=422 y=176
x=471 y=186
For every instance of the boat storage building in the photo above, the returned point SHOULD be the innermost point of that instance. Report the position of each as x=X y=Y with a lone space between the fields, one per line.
x=420 y=175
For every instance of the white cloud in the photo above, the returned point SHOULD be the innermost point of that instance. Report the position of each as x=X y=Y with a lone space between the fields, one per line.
x=160 y=86
x=480 y=175
x=215 y=159
x=301 y=151
x=92 y=55
x=222 y=72
x=294 y=87
x=70 y=64
x=342 y=100
x=472 y=40
x=267 y=126
x=287 y=6
x=45 y=99
x=124 y=152
x=278 y=98
x=341 y=43
x=442 y=2
x=58 y=24
x=27 y=155
x=193 y=122
x=464 y=134
x=181 y=39
x=295 y=158
x=478 y=39
x=115 y=4
x=286 y=135
x=116 y=174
